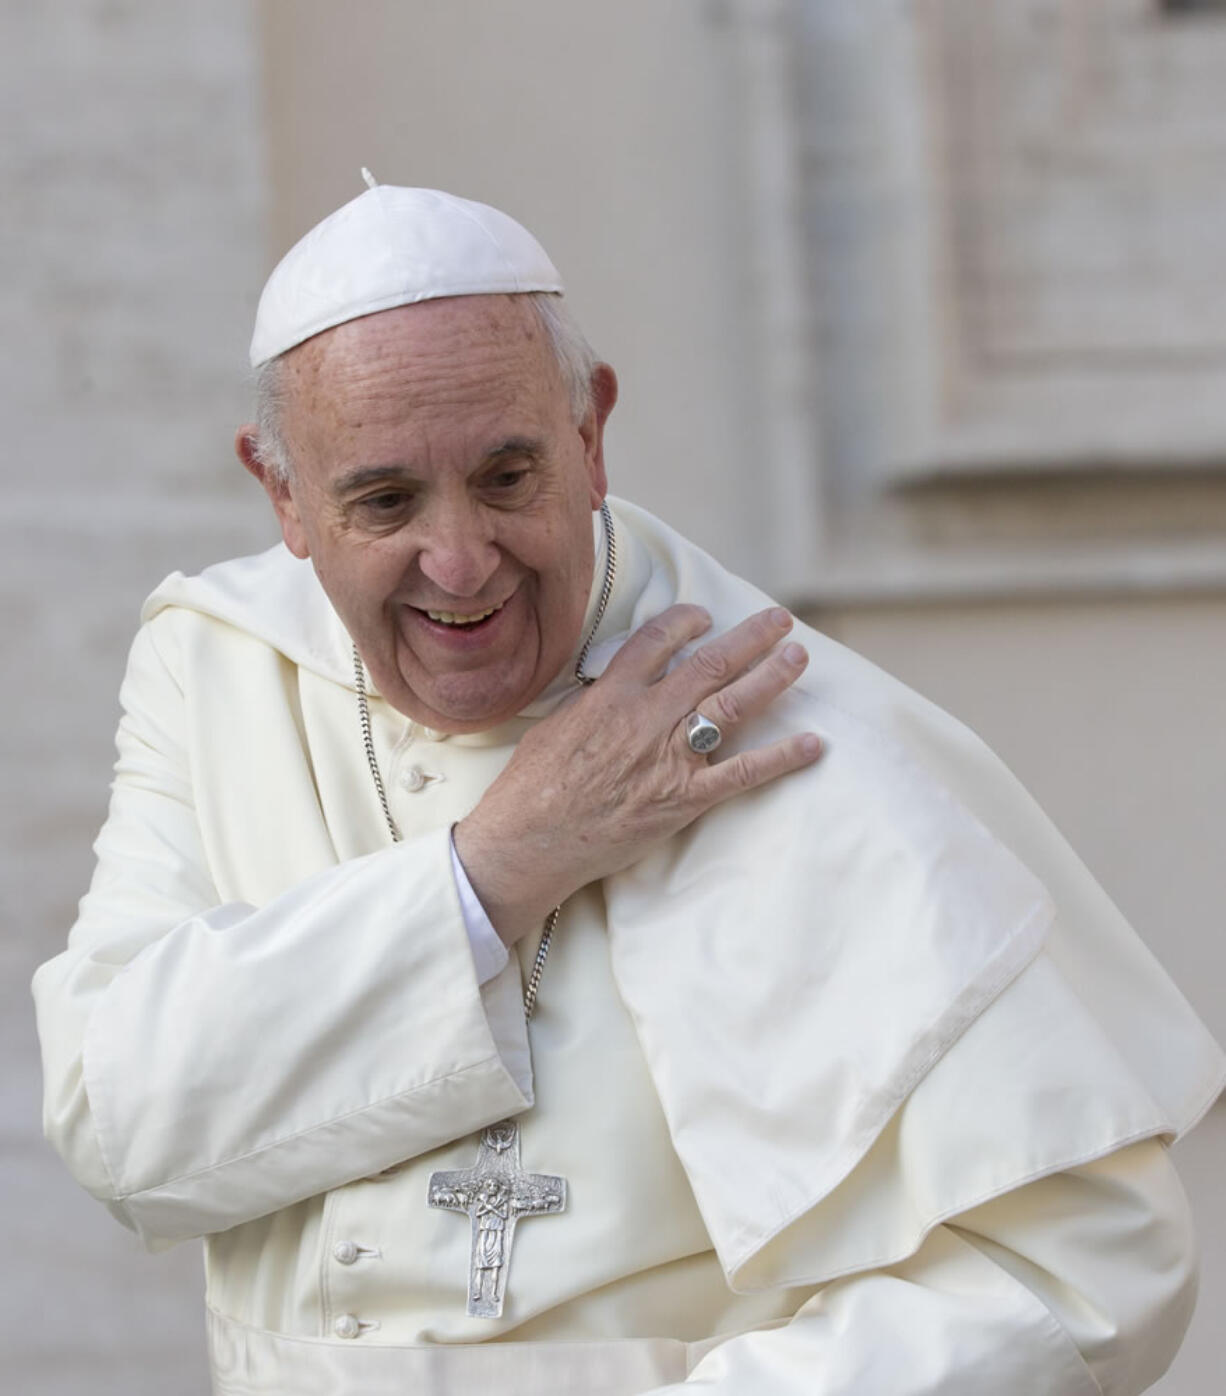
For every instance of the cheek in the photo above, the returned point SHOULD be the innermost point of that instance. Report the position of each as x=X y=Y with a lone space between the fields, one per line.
x=358 y=593
x=370 y=574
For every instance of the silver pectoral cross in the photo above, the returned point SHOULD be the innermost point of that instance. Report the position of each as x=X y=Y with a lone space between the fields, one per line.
x=495 y=1192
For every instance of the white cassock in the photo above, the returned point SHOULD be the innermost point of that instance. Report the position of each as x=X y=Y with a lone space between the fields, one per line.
x=860 y=1085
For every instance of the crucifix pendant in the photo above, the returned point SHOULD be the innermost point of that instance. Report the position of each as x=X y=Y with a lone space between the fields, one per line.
x=495 y=1192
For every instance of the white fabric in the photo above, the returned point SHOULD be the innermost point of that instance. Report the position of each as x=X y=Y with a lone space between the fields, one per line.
x=393 y=246
x=489 y=953
x=263 y=1009
x=1076 y=1286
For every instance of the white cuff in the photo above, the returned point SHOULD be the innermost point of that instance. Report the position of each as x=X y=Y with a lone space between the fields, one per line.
x=490 y=955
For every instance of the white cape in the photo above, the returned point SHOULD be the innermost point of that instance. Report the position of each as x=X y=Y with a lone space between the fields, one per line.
x=871 y=996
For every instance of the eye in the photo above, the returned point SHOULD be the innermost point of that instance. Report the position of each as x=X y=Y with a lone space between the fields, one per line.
x=386 y=508
x=508 y=479
x=509 y=485
x=386 y=501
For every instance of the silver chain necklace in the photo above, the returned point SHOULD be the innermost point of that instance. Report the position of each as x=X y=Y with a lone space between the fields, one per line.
x=495 y=1192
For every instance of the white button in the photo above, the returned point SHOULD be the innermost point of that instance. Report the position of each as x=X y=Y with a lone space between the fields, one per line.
x=414 y=779
x=346 y=1252
x=347 y=1326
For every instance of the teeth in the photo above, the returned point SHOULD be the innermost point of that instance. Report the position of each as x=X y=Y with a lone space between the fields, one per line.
x=454 y=617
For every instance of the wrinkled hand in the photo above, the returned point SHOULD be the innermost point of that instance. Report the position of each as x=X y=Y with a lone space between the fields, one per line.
x=592 y=787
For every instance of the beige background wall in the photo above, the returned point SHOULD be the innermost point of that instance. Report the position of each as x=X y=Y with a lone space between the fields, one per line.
x=169 y=153
x=607 y=129
x=131 y=252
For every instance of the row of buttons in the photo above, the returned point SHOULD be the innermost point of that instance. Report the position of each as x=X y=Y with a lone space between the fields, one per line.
x=347 y=1253
x=348 y=1326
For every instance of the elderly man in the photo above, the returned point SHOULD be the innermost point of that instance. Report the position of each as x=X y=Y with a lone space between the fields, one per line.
x=842 y=1077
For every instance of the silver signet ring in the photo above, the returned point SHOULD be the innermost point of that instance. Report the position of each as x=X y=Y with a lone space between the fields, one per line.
x=702 y=734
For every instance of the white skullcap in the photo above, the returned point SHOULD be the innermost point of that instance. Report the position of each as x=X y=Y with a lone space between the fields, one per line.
x=392 y=246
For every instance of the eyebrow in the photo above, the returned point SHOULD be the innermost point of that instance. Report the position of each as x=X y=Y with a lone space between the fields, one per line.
x=367 y=475
x=512 y=448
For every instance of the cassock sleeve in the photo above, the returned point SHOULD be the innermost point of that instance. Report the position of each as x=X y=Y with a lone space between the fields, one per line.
x=207 y=1064
x=1079 y=1284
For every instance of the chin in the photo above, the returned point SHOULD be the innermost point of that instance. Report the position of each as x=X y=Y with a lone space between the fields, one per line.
x=468 y=710
x=458 y=724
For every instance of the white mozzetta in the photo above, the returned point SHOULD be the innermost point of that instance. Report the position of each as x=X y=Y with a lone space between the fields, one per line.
x=837 y=1065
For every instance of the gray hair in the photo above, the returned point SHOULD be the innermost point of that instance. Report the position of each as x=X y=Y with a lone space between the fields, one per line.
x=575 y=358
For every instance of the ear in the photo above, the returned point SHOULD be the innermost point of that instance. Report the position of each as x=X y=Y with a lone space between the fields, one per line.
x=591 y=429
x=246 y=448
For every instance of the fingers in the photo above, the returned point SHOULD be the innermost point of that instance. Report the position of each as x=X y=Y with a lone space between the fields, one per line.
x=718 y=664
x=733 y=677
x=747 y=770
x=645 y=655
x=754 y=691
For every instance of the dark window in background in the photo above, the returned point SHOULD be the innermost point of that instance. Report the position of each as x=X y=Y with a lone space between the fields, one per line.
x=1192 y=7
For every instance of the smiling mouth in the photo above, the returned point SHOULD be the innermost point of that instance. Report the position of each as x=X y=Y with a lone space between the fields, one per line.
x=458 y=618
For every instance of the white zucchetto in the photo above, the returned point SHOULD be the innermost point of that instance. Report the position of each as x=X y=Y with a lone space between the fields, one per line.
x=393 y=246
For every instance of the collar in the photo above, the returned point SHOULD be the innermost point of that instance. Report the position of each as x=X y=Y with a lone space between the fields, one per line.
x=278 y=598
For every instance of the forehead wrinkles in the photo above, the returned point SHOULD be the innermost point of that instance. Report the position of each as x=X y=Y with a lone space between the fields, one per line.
x=482 y=352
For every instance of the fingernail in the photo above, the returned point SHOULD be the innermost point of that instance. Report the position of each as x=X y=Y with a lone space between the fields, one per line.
x=795 y=654
x=811 y=744
x=781 y=618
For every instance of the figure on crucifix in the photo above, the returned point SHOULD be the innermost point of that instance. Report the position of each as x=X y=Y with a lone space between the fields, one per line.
x=495 y=1193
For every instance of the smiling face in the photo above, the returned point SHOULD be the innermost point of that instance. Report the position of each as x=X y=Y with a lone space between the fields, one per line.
x=443 y=491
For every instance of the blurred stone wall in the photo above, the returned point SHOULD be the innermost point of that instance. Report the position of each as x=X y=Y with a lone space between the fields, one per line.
x=164 y=154
x=132 y=247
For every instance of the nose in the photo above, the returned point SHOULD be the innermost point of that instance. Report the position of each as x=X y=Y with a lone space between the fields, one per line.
x=458 y=554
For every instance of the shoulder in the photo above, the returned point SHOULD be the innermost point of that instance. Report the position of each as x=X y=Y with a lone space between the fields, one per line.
x=272 y=599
